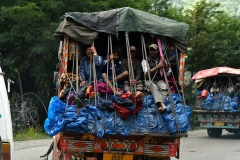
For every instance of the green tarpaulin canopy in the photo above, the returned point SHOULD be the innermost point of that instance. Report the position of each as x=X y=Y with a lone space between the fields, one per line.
x=84 y=27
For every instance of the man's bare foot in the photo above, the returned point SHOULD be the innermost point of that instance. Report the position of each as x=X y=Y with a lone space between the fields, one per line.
x=163 y=107
x=139 y=94
x=118 y=93
x=131 y=95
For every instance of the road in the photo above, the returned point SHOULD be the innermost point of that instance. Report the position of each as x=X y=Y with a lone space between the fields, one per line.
x=197 y=146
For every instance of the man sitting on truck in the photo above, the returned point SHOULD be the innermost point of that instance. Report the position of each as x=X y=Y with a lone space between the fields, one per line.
x=157 y=85
x=107 y=66
x=84 y=72
x=137 y=73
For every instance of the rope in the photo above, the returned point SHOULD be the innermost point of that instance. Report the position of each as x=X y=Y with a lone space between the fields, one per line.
x=107 y=66
x=112 y=62
x=94 y=79
x=130 y=67
x=144 y=55
x=169 y=92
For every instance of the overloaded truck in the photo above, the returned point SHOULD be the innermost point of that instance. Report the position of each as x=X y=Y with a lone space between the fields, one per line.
x=110 y=126
x=6 y=133
x=217 y=100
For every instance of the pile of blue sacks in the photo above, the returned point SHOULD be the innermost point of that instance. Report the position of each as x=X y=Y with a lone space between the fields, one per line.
x=222 y=102
x=103 y=120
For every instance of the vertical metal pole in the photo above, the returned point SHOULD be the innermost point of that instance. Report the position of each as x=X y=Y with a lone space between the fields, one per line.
x=76 y=53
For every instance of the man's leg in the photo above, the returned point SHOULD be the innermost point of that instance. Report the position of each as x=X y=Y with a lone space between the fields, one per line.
x=156 y=95
x=126 y=86
x=109 y=83
x=82 y=90
x=139 y=88
x=122 y=76
x=80 y=95
x=163 y=92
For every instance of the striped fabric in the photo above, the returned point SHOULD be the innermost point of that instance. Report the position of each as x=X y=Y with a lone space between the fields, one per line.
x=181 y=70
x=63 y=66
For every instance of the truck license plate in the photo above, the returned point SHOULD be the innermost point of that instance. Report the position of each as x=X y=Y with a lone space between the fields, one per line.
x=218 y=123
x=110 y=156
x=91 y=158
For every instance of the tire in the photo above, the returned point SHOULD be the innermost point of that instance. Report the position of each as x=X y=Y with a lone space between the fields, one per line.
x=214 y=132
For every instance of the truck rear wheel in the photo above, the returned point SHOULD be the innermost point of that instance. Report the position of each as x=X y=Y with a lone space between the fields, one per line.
x=214 y=132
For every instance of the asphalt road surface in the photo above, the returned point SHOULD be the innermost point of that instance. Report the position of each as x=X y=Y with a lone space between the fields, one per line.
x=197 y=146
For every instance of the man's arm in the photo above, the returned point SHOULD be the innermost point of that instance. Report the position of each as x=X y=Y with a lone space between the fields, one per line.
x=98 y=60
x=138 y=71
x=82 y=69
x=157 y=67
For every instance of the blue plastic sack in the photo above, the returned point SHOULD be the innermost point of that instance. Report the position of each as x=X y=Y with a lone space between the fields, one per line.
x=219 y=103
x=182 y=123
x=121 y=128
x=234 y=103
x=207 y=103
x=79 y=125
x=109 y=123
x=170 y=122
x=52 y=128
x=56 y=108
x=147 y=101
x=227 y=104
x=70 y=116
x=176 y=98
x=55 y=121
x=99 y=129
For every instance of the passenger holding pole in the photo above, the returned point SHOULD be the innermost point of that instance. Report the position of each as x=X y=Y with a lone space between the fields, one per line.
x=131 y=70
x=86 y=71
x=107 y=66
x=157 y=85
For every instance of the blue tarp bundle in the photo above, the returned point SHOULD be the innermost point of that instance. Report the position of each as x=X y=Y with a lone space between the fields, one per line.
x=102 y=119
x=220 y=103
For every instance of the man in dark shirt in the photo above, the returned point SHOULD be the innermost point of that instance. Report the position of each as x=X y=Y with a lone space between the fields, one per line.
x=107 y=66
x=157 y=86
x=135 y=78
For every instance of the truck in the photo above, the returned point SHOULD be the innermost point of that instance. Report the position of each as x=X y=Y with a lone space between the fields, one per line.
x=217 y=100
x=6 y=133
x=98 y=130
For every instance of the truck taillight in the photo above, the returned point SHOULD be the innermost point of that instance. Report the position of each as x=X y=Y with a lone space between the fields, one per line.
x=118 y=145
x=103 y=145
x=133 y=146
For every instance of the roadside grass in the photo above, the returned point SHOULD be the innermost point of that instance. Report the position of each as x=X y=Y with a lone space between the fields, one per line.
x=30 y=134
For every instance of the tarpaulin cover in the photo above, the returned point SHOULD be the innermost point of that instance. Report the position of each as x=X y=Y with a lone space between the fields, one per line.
x=101 y=120
x=221 y=102
x=78 y=25
x=215 y=71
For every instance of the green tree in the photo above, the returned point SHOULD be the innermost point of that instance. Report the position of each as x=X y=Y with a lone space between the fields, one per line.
x=27 y=42
x=209 y=33
x=28 y=47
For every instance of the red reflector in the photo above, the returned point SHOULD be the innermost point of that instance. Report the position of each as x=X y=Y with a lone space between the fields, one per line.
x=133 y=146
x=103 y=144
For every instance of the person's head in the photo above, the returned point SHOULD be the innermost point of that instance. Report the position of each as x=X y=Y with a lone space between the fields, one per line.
x=89 y=51
x=153 y=50
x=116 y=54
x=133 y=51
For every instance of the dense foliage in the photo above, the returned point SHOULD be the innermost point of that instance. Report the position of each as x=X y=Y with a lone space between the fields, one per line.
x=30 y=50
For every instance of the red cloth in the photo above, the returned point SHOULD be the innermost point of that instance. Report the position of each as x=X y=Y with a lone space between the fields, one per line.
x=124 y=112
